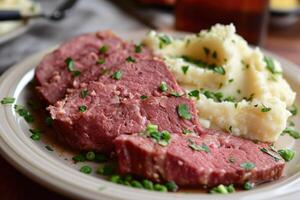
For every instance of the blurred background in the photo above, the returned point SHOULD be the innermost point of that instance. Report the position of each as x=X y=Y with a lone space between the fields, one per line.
x=27 y=27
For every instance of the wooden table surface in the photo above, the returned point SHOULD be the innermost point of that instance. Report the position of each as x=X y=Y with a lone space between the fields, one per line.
x=15 y=186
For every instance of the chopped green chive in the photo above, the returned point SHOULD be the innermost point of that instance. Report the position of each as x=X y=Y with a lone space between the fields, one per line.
x=231 y=80
x=265 y=109
x=270 y=65
x=222 y=189
x=194 y=93
x=248 y=185
x=293 y=109
x=271 y=153
x=161 y=137
x=86 y=169
x=292 y=132
x=101 y=61
x=90 y=155
x=48 y=148
x=216 y=96
x=79 y=158
x=117 y=75
x=83 y=93
x=103 y=49
x=138 y=48
x=286 y=154
x=185 y=69
x=230 y=99
x=130 y=59
x=163 y=86
x=35 y=134
x=164 y=41
x=82 y=108
x=183 y=111
x=23 y=112
x=151 y=128
x=176 y=94
x=195 y=147
x=143 y=97
x=247 y=165
x=186 y=131
x=219 y=70
x=71 y=67
x=7 y=100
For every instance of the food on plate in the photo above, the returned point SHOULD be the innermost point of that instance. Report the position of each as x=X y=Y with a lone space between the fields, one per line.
x=242 y=91
x=25 y=6
x=174 y=111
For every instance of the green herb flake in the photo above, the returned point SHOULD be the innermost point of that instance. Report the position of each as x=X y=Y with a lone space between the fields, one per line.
x=163 y=86
x=144 y=97
x=49 y=148
x=82 y=108
x=231 y=80
x=117 y=75
x=219 y=70
x=162 y=138
x=35 y=134
x=286 y=154
x=83 y=93
x=194 y=93
x=23 y=112
x=164 y=41
x=195 y=147
x=247 y=165
x=183 y=111
x=86 y=169
x=222 y=189
x=292 y=132
x=248 y=185
x=293 y=109
x=270 y=65
x=138 y=48
x=101 y=61
x=7 y=100
x=103 y=49
x=185 y=69
x=187 y=131
x=71 y=67
x=176 y=94
x=265 y=109
x=130 y=59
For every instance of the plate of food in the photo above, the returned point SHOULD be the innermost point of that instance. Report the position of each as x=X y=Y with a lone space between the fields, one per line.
x=150 y=115
x=12 y=29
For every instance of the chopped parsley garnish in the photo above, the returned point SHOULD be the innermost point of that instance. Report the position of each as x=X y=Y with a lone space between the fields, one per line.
x=216 y=96
x=183 y=111
x=130 y=59
x=7 y=100
x=206 y=51
x=185 y=69
x=214 y=55
x=35 y=134
x=117 y=75
x=71 y=67
x=247 y=165
x=101 y=61
x=222 y=189
x=250 y=98
x=161 y=137
x=103 y=49
x=195 y=147
x=164 y=40
x=82 y=108
x=293 y=109
x=23 y=112
x=49 y=148
x=143 y=97
x=265 y=109
x=248 y=185
x=186 y=131
x=230 y=99
x=138 y=48
x=271 y=153
x=83 y=93
x=86 y=169
x=163 y=86
x=292 y=132
x=194 y=93
x=286 y=154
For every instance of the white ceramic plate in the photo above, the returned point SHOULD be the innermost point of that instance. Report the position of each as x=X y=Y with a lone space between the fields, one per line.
x=55 y=170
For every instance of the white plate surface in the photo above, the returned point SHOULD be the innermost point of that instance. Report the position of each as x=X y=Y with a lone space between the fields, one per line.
x=53 y=171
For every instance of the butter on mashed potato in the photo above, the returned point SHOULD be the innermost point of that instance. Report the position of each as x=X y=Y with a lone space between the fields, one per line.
x=236 y=87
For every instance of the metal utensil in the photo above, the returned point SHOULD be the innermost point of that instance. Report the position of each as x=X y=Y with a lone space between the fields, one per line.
x=58 y=14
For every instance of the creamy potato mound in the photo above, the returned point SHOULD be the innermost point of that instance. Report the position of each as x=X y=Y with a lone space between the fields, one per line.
x=242 y=91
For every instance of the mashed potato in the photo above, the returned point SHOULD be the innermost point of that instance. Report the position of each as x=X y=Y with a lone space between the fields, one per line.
x=241 y=90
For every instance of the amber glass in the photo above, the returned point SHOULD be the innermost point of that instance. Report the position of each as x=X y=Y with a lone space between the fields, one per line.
x=249 y=16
